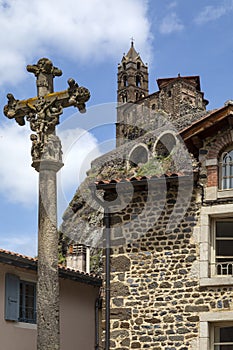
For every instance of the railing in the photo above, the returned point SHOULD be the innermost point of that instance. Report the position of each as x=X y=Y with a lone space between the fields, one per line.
x=224 y=268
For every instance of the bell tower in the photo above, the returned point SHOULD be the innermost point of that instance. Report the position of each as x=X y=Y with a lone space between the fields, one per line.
x=132 y=77
x=132 y=80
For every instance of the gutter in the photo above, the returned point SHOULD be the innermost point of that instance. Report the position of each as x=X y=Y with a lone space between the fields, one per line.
x=24 y=262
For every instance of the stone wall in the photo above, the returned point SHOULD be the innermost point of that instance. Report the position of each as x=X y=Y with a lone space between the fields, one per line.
x=180 y=101
x=156 y=296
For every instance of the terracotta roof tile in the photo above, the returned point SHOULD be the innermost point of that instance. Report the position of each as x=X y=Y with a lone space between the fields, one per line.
x=24 y=258
x=16 y=255
x=140 y=178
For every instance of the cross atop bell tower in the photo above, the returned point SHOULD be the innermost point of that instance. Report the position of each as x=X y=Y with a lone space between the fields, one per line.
x=132 y=77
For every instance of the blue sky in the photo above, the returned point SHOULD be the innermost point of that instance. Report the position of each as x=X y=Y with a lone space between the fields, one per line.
x=87 y=40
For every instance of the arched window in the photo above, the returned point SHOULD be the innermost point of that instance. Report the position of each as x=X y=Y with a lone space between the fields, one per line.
x=165 y=144
x=125 y=80
x=124 y=97
x=138 y=155
x=138 y=65
x=226 y=170
x=138 y=80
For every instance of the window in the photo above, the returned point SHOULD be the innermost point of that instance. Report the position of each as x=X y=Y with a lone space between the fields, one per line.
x=138 y=80
x=125 y=80
x=20 y=300
x=124 y=97
x=27 y=304
x=221 y=337
x=216 y=245
x=222 y=252
x=165 y=144
x=216 y=330
x=226 y=170
x=138 y=156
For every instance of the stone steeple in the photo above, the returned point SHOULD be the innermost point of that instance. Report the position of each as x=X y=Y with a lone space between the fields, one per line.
x=132 y=77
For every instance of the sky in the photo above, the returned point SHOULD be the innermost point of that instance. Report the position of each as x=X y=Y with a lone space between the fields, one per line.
x=87 y=40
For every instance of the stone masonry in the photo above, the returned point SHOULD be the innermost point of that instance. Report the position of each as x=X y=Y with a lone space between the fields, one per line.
x=164 y=295
x=156 y=296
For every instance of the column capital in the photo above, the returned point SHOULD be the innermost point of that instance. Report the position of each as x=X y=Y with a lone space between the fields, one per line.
x=47 y=164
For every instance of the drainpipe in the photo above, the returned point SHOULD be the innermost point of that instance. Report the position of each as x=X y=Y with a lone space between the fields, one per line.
x=107 y=239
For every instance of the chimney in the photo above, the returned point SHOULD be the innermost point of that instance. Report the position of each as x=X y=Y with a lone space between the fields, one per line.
x=78 y=257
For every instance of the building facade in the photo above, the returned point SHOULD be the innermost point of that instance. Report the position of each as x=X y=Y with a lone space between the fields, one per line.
x=79 y=295
x=169 y=200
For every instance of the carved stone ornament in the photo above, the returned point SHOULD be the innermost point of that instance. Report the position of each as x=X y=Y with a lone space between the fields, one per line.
x=78 y=95
x=43 y=111
x=44 y=65
x=52 y=149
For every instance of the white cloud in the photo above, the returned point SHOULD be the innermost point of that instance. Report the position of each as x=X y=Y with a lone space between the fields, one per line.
x=171 y=23
x=19 y=181
x=212 y=13
x=79 y=149
x=80 y=30
x=25 y=244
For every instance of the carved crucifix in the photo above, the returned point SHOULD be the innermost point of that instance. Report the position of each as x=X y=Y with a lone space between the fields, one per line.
x=43 y=113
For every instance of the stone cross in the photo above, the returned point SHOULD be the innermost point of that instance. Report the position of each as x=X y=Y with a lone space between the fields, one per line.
x=43 y=113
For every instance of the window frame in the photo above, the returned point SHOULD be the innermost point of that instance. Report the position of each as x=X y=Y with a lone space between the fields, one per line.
x=23 y=296
x=13 y=299
x=212 y=327
x=209 y=320
x=213 y=240
x=221 y=163
x=207 y=216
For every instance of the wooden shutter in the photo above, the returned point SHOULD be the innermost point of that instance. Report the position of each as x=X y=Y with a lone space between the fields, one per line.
x=12 y=297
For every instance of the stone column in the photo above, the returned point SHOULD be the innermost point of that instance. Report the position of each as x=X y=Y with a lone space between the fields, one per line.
x=48 y=327
x=43 y=112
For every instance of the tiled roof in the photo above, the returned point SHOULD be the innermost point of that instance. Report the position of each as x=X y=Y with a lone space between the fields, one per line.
x=16 y=255
x=194 y=80
x=23 y=261
x=138 y=179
